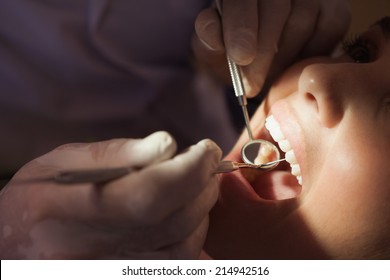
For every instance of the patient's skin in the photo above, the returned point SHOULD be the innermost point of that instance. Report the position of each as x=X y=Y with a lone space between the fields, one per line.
x=335 y=113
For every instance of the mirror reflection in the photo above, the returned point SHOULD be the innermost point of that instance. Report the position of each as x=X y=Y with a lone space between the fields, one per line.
x=259 y=152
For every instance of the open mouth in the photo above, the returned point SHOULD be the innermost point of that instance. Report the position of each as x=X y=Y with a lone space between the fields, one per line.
x=283 y=182
x=277 y=135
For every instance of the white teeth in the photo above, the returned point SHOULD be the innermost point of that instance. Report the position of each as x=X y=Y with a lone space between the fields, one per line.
x=290 y=157
x=295 y=170
x=284 y=145
x=274 y=129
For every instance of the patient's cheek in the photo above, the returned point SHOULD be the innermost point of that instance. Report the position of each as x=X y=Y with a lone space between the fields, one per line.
x=285 y=85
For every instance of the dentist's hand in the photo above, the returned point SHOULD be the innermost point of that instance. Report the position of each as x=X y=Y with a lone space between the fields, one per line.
x=158 y=212
x=267 y=36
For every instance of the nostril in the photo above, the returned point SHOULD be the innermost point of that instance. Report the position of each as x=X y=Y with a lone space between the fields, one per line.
x=327 y=107
x=310 y=98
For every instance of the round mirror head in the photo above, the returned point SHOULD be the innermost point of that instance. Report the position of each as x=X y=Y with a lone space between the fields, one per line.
x=260 y=152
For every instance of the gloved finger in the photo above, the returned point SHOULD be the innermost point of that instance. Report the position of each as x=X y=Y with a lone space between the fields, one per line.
x=332 y=24
x=156 y=147
x=297 y=31
x=189 y=248
x=154 y=191
x=152 y=194
x=240 y=29
x=215 y=62
x=209 y=30
x=208 y=46
x=77 y=205
x=173 y=227
x=272 y=16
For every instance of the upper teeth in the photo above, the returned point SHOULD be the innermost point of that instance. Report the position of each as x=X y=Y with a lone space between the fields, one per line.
x=274 y=129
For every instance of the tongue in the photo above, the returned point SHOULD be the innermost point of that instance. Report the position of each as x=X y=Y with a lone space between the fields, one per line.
x=274 y=185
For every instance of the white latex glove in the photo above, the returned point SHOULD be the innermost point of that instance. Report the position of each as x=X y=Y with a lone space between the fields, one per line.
x=267 y=36
x=158 y=212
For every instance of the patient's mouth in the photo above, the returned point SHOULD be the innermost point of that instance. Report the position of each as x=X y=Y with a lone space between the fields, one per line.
x=285 y=181
x=274 y=129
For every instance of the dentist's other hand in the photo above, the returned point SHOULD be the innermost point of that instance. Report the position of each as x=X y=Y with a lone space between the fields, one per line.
x=158 y=212
x=265 y=37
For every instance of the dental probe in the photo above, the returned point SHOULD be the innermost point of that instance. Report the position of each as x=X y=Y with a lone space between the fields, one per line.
x=238 y=86
x=230 y=166
x=105 y=175
x=240 y=92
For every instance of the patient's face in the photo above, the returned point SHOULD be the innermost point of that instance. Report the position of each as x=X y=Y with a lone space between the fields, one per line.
x=334 y=115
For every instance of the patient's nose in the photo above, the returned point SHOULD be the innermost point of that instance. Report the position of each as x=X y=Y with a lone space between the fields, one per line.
x=322 y=87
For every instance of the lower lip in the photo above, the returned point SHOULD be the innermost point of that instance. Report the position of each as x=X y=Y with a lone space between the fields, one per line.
x=236 y=186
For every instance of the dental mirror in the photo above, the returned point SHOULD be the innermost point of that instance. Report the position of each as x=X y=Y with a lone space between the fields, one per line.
x=261 y=152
